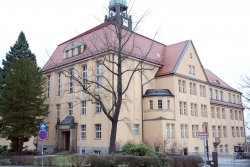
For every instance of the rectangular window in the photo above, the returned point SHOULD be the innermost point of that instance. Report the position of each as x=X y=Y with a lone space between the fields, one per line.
x=211 y=93
x=195 y=131
x=98 y=107
x=229 y=98
x=83 y=131
x=218 y=112
x=185 y=108
x=182 y=131
x=84 y=75
x=98 y=152
x=205 y=110
x=219 y=131
x=221 y=148
x=48 y=86
x=192 y=87
x=236 y=115
x=214 y=131
x=231 y=115
x=212 y=112
x=233 y=100
x=84 y=108
x=221 y=95
x=226 y=148
x=223 y=113
x=216 y=94
x=224 y=131
x=233 y=132
x=59 y=93
x=70 y=108
x=194 y=111
x=99 y=74
x=71 y=80
x=168 y=104
x=136 y=129
x=182 y=86
x=159 y=104
x=181 y=107
x=202 y=91
x=186 y=131
x=240 y=116
x=191 y=70
x=83 y=151
x=241 y=132
x=98 y=131
x=58 y=110
x=151 y=105
x=238 y=99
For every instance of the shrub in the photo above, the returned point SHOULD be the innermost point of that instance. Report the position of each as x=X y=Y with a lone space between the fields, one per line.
x=139 y=150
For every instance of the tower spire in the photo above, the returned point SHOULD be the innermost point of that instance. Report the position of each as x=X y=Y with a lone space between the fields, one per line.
x=118 y=14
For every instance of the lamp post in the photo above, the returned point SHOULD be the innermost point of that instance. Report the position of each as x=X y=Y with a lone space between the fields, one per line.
x=205 y=124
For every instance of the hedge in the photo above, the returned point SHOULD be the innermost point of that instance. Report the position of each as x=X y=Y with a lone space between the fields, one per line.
x=114 y=160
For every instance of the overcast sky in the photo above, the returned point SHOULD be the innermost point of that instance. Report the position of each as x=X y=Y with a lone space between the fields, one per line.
x=219 y=29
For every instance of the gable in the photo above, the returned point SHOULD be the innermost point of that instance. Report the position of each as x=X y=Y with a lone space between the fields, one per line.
x=189 y=64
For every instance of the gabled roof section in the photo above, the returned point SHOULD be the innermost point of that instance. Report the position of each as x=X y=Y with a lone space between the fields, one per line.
x=214 y=80
x=101 y=39
x=172 y=55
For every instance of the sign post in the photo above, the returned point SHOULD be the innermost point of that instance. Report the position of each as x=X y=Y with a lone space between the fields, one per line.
x=42 y=135
x=204 y=136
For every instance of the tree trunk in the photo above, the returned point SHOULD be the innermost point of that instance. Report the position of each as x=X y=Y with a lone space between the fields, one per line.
x=113 y=136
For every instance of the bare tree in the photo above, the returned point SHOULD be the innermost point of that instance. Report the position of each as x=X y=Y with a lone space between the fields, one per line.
x=245 y=87
x=109 y=81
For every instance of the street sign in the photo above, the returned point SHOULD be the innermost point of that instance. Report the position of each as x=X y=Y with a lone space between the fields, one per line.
x=202 y=134
x=203 y=137
x=42 y=135
x=42 y=126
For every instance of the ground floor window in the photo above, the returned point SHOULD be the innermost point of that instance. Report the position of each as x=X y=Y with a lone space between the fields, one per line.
x=97 y=152
x=83 y=151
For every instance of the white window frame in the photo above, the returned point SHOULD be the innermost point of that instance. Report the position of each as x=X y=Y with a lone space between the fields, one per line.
x=98 y=131
x=83 y=107
x=99 y=73
x=84 y=75
x=59 y=93
x=136 y=129
x=71 y=80
x=98 y=108
x=151 y=104
x=58 y=110
x=83 y=131
x=160 y=107
x=70 y=108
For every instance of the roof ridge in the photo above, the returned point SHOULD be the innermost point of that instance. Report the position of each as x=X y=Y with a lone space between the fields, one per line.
x=88 y=31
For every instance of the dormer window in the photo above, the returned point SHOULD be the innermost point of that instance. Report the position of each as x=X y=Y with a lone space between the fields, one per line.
x=74 y=49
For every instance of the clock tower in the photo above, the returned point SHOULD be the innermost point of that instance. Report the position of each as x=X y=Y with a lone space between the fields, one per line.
x=118 y=14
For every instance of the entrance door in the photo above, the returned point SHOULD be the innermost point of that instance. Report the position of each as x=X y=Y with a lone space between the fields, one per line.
x=67 y=140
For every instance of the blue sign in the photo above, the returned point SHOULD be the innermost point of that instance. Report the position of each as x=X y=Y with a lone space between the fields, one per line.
x=42 y=126
x=42 y=135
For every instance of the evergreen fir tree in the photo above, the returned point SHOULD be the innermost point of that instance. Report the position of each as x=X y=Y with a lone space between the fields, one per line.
x=21 y=102
x=18 y=51
x=21 y=94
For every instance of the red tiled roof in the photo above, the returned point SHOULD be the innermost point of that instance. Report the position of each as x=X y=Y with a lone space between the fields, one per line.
x=216 y=81
x=102 y=38
x=137 y=46
x=170 y=58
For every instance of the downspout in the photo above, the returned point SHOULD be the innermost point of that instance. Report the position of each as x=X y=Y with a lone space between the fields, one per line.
x=142 y=106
